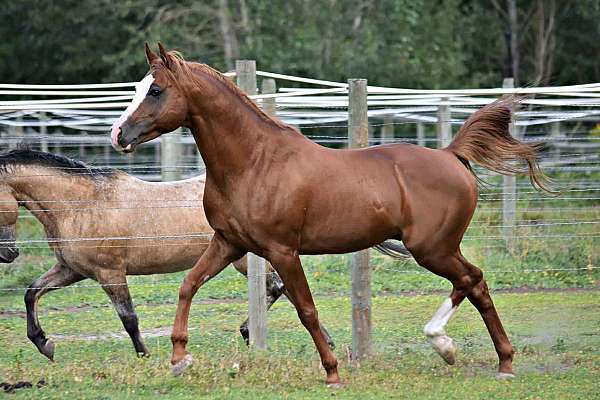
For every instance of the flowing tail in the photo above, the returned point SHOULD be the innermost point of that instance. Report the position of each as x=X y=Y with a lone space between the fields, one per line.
x=393 y=249
x=485 y=139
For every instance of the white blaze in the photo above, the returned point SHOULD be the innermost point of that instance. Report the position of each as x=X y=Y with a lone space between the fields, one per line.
x=141 y=89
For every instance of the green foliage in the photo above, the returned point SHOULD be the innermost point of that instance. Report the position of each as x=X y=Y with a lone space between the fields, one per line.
x=431 y=44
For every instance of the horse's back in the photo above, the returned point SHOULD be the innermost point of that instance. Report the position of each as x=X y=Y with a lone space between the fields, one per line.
x=163 y=224
x=377 y=193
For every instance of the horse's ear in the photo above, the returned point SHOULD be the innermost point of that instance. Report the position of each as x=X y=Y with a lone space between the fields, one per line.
x=164 y=55
x=150 y=55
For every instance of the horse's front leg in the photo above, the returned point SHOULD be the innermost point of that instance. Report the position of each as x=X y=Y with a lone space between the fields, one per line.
x=218 y=255
x=57 y=277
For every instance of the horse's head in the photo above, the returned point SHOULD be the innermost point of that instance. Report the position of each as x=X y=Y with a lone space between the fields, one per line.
x=159 y=105
x=9 y=212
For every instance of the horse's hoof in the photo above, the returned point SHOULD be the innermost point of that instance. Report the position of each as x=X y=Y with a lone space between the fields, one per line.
x=336 y=385
x=48 y=350
x=505 y=375
x=445 y=347
x=143 y=354
x=245 y=334
x=182 y=365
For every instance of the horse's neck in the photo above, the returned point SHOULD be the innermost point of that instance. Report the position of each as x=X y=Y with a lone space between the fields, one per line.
x=230 y=133
x=45 y=192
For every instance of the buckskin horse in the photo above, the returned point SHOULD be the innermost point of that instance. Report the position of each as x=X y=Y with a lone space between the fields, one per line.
x=272 y=191
x=105 y=224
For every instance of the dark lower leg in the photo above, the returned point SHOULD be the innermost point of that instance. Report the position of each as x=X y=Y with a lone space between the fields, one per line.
x=55 y=278
x=115 y=286
x=480 y=298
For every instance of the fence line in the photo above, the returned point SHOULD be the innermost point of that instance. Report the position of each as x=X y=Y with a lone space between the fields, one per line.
x=96 y=107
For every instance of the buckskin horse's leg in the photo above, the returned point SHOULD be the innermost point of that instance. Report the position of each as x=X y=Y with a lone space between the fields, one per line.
x=57 y=277
x=216 y=257
x=114 y=283
x=287 y=264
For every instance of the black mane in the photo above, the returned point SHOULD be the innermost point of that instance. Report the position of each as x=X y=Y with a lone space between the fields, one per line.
x=54 y=161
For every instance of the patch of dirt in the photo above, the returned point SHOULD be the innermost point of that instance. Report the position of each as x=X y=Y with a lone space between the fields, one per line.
x=409 y=293
x=146 y=334
x=88 y=307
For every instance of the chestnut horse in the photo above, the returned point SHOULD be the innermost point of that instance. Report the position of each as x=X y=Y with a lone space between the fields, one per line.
x=142 y=228
x=271 y=191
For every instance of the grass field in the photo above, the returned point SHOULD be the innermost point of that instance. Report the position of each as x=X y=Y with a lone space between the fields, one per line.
x=547 y=290
x=556 y=334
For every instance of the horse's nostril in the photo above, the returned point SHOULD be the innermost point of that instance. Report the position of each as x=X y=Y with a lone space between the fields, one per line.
x=120 y=137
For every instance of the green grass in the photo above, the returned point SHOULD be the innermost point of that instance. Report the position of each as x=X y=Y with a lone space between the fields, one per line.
x=556 y=335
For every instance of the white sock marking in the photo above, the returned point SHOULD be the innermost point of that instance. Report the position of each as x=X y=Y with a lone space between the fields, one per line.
x=435 y=327
x=141 y=89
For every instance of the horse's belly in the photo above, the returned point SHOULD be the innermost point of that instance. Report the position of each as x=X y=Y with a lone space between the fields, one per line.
x=170 y=257
x=345 y=235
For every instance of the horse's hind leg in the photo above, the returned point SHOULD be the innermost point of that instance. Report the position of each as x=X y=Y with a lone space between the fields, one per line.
x=275 y=288
x=114 y=284
x=57 y=277
x=468 y=282
x=480 y=297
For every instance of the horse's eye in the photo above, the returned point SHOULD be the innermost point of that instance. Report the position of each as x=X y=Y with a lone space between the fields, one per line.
x=154 y=92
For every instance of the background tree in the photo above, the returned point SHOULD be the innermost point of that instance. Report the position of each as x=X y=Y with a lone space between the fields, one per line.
x=410 y=43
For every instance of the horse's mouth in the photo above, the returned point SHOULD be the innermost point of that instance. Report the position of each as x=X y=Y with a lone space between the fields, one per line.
x=128 y=149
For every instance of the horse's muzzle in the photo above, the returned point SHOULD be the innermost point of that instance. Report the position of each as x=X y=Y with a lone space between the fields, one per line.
x=119 y=143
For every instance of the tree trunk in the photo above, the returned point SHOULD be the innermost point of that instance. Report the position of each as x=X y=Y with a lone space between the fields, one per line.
x=544 y=45
x=514 y=39
x=230 y=43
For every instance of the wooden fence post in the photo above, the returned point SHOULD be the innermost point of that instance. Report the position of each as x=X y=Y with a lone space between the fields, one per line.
x=257 y=300
x=15 y=134
x=387 y=131
x=556 y=136
x=257 y=275
x=82 y=145
x=509 y=188
x=444 y=127
x=43 y=132
x=421 y=141
x=269 y=106
x=170 y=154
x=246 y=76
x=358 y=136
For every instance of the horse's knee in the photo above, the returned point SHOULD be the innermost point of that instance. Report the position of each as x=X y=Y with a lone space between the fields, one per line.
x=308 y=316
x=187 y=290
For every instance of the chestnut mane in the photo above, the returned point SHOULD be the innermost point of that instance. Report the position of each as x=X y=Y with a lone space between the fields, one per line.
x=178 y=66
